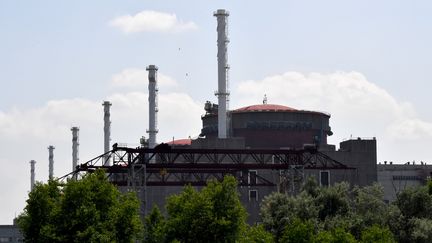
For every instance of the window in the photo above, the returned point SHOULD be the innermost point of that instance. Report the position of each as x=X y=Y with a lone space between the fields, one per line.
x=253 y=196
x=406 y=178
x=252 y=177
x=324 y=178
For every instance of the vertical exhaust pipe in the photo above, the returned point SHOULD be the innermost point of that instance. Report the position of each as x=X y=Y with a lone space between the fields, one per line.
x=32 y=174
x=51 y=162
x=153 y=109
x=75 y=145
x=107 y=131
x=222 y=93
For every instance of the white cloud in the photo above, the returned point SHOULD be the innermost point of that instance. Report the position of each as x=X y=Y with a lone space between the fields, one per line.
x=26 y=133
x=410 y=129
x=47 y=121
x=358 y=107
x=138 y=78
x=130 y=116
x=152 y=21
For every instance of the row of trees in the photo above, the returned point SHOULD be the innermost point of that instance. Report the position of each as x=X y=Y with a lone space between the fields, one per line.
x=317 y=214
x=87 y=210
x=214 y=214
x=93 y=210
x=327 y=214
x=343 y=214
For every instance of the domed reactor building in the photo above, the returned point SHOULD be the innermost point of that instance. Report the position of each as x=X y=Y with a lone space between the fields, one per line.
x=271 y=126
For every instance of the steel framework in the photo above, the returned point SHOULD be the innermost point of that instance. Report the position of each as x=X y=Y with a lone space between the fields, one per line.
x=137 y=168
x=166 y=166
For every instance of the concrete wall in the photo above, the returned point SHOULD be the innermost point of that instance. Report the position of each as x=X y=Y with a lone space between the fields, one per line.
x=360 y=154
x=397 y=177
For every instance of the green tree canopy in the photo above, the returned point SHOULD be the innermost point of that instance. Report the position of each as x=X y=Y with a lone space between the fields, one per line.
x=213 y=214
x=298 y=232
x=368 y=208
x=410 y=222
x=154 y=226
x=368 y=204
x=333 y=200
x=415 y=202
x=39 y=218
x=337 y=235
x=278 y=210
x=256 y=234
x=86 y=210
x=421 y=230
x=275 y=213
x=377 y=234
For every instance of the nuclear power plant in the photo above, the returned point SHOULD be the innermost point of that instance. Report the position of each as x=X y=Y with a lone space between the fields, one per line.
x=266 y=147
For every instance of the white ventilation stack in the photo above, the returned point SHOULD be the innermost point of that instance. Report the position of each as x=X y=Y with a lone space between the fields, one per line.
x=75 y=144
x=222 y=93
x=152 y=131
x=107 y=131
x=32 y=174
x=51 y=162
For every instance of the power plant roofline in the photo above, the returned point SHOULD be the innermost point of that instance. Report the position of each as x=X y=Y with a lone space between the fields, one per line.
x=51 y=162
x=153 y=109
x=32 y=174
x=222 y=93
x=107 y=130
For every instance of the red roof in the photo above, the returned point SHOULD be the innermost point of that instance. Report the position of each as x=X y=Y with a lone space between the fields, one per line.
x=265 y=107
x=186 y=141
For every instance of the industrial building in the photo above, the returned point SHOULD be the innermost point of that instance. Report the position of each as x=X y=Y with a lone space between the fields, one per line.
x=10 y=233
x=267 y=130
x=267 y=147
x=396 y=177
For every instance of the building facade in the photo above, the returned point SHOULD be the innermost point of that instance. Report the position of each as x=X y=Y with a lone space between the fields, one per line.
x=396 y=177
x=10 y=233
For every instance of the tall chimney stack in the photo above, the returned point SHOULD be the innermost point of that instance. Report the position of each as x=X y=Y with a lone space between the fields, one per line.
x=222 y=93
x=153 y=109
x=107 y=131
x=75 y=145
x=32 y=174
x=51 y=162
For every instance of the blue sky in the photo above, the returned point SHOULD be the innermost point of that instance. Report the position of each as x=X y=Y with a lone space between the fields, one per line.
x=365 y=62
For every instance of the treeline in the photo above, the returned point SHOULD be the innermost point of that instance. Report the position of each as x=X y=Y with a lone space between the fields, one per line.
x=317 y=214
x=341 y=214
x=93 y=210
x=86 y=210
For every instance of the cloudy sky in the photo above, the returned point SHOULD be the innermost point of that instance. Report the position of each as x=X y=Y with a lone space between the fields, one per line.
x=365 y=62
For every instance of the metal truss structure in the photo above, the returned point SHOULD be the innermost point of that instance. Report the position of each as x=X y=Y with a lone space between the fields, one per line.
x=166 y=166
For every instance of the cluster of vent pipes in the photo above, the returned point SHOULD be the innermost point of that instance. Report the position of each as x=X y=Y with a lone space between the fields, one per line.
x=107 y=130
x=222 y=93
